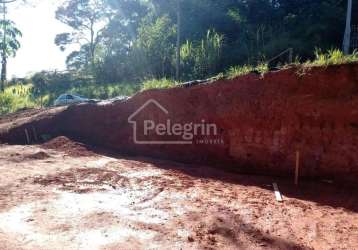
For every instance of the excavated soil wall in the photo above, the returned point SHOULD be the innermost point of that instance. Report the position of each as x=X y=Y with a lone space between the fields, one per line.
x=260 y=123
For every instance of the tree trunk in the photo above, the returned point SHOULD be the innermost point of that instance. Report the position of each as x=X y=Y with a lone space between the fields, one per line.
x=92 y=49
x=3 y=73
x=4 y=60
x=178 y=41
x=2 y=88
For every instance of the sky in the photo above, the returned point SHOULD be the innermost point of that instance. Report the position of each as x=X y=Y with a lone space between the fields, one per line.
x=39 y=27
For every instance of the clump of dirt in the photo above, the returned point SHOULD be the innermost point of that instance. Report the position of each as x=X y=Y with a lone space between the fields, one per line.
x=84 y=180
x=33 y=156
x=41 y=155
x=68 y=146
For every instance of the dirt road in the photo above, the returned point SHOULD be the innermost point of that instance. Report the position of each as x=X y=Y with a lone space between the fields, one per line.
x=77 y=199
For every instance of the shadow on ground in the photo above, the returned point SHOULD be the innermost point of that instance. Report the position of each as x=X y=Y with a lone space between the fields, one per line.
x=322 y=192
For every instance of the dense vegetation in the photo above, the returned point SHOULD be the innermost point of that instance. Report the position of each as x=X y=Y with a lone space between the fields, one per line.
x=139 y=38
x=127 y=45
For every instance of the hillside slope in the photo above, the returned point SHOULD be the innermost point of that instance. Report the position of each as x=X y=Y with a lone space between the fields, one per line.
x=261 y=121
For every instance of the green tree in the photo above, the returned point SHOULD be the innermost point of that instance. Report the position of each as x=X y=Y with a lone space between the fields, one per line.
x=141 y=38
x=156 y=41
x=202 y=58
x=9 y=45
x=86 y=18
x=121 y=60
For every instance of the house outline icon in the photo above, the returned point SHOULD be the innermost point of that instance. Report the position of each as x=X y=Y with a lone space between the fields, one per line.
x=134 y=124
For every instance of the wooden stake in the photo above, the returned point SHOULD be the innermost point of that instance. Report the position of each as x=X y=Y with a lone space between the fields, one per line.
x=35 y=134
x=27 y=136
x=297 y=167
x=277 y=192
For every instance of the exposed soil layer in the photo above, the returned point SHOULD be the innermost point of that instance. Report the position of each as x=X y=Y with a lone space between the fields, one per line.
x=261 y=121
x=102 y=202
x=68 y=146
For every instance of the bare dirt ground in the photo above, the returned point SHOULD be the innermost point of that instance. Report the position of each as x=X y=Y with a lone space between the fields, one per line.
x=73 y=198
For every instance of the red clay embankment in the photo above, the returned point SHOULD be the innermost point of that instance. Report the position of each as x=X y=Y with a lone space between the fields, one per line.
x=261 y=121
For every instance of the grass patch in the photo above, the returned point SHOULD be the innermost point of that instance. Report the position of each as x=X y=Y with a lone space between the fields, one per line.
x=262 y=68
x=158 y=84
x=16 y=97
x=332 y=57
x=20 y=96
x=104 y=91
x=236 y=71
